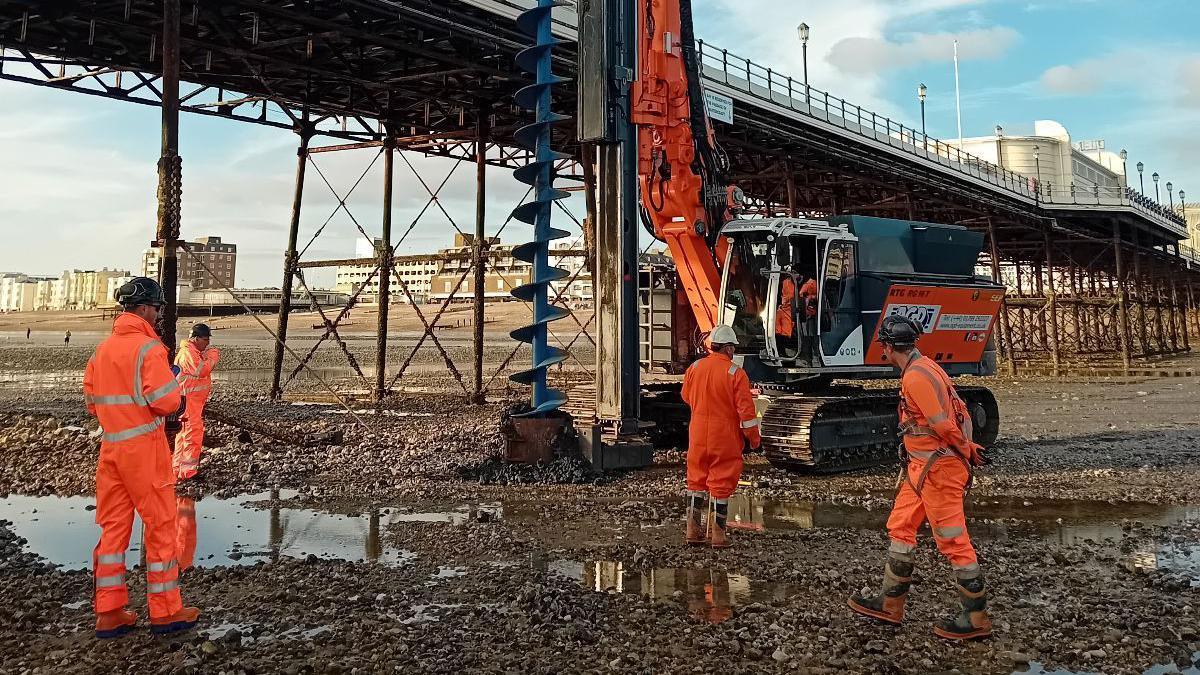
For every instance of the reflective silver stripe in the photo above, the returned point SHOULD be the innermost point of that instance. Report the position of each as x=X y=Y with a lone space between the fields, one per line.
x=163 y=587
x=137 y=372
x=947 y=532
x=119 y=399
x=161 y=567
x=162 y=391
x=134 y=432
x=110 y=559
x=968 y=571
x=940 y=417
x=921 y=454
x=750 y=424
x=732 y=369
x=111 y=581
x=900 y=547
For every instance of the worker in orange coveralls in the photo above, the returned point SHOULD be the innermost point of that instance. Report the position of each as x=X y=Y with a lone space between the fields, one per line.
x=723 y=421
x=185 y=529
x=940 y=455
x=785 y=321
x=196 y=360
x=129 y=387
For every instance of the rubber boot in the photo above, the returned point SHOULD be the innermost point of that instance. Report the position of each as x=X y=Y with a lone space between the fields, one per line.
x=972 y=621
x=182 y=620
x=888 y=606
x=115 y=623
x=696 y=535
x=717 y=516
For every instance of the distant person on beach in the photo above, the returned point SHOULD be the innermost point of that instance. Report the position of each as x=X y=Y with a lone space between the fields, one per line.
x=67 y=338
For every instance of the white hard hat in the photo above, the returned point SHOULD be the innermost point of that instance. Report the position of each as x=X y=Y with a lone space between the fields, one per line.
x=723 y=335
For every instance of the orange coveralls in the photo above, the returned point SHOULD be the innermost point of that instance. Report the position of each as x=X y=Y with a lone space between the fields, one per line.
x=185 y=526
x=930 y=414
x=129 y=387
x=195 y=379
x=723 y=418
x=785 y=323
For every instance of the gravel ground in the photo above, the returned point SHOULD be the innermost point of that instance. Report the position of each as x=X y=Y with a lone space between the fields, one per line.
x=517 y=592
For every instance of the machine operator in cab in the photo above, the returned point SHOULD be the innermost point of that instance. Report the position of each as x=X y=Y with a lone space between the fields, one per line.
x=940 y=457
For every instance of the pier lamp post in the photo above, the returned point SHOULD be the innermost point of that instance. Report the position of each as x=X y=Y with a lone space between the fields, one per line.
x=1154 y=177
x=1182 y=206
x=803 y=31
x=1171 y=195
x=1141 y=179
x=922 y=90
x=1125 y=165
x=1037 y=162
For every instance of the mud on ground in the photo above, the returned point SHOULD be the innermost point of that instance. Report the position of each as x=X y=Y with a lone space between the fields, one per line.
x=1087 y=528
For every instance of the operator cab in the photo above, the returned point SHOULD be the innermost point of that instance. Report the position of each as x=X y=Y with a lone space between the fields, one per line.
x=789 y=290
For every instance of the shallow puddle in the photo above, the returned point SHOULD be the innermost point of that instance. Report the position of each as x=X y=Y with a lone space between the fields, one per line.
x=224 y=531
x=708 y=595
x=1036 y=668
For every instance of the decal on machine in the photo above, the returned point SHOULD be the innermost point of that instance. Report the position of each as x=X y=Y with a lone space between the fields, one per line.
x=970 y=322
x=926 y=315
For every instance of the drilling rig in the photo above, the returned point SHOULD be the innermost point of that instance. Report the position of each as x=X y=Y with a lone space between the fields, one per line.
x=804 y=295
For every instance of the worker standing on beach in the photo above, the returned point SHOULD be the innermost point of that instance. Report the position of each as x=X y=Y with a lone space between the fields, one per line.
x=129 y=387
x=940 y=457
x=196 y=360
x=723 y=420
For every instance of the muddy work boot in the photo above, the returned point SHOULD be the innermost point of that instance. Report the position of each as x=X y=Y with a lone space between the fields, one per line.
x=888 y=606
x=696 y=535
x=717 y=516
x=115 y=623
x=972 y=621
x=182 y=620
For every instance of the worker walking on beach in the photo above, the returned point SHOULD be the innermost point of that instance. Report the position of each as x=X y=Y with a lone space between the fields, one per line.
x=723 y=421
x=196 y=360
x=128 y=386
x=940 y=456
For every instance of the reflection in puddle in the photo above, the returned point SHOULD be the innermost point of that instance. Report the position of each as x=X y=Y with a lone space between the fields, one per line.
x=709 y=595
x=221 y=531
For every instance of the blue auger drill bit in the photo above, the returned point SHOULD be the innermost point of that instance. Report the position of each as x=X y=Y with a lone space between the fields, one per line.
x=539 y=173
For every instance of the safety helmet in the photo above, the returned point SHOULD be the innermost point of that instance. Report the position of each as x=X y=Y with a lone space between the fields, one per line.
x=899 y=331
x=140 y=291
x=723 y=335
x=201 y=330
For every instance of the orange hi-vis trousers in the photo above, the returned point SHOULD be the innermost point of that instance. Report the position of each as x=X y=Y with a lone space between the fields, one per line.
x=128 y=477
x=941 y=503
x=189 y=443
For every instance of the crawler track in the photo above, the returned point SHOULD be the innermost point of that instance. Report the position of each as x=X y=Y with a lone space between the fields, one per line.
x=852 y=429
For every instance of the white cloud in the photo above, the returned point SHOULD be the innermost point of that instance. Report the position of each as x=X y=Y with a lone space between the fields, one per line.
x=867 y=56
x=846 y=38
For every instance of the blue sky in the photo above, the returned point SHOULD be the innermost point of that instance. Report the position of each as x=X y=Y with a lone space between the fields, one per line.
x=77 y=182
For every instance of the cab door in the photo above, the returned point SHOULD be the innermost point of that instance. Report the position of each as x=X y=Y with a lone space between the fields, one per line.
x=839 y=318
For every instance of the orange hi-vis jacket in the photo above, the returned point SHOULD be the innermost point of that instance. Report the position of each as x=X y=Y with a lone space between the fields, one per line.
x=932 y=416
x=718 y=392
x=195 y=368
x=128 y=385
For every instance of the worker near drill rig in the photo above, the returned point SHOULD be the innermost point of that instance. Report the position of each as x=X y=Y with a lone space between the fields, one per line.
x=940 y=458
x=723 y=421
x=129 y=387
x=196 y=360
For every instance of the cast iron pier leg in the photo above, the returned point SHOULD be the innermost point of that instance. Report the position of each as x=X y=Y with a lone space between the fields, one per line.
x=170 y=174
x=385 y=269
x=289 y=261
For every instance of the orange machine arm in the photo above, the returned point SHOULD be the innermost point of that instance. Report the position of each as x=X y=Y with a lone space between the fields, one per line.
x=672 y=192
